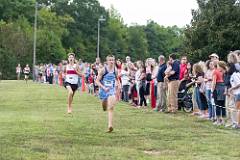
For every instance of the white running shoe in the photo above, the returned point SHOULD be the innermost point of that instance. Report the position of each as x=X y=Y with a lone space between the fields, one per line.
x=148 y=101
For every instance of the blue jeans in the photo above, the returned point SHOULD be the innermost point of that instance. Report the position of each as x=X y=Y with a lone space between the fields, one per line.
x=198 y=99
x=56 y=79
x=155 y=90
x=211 y=108
x=79 y=82
x=125 y=93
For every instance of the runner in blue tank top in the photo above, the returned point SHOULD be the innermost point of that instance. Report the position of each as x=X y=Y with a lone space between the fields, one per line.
x=107 y=82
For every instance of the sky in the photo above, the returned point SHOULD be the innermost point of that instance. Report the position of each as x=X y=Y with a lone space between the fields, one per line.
x=164 y=12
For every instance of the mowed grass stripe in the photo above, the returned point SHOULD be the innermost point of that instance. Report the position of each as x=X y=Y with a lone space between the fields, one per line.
x=33 y=125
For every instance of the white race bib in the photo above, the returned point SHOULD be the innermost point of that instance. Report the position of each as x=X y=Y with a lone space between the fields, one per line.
x=108 y=83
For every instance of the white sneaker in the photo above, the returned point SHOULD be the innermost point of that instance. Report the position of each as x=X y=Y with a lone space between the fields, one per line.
x=235 y=126
x=148 y=101
x=229 y=125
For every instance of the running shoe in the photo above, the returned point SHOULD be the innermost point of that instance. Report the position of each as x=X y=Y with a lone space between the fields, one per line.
x=216 y=123
x=110 y=129
x=229 y=125
x=104 y=108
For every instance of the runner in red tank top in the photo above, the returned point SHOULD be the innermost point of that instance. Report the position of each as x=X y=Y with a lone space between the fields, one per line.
x=72 y=72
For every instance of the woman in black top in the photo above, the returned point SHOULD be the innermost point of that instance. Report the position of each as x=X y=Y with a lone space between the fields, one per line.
x=142 y=86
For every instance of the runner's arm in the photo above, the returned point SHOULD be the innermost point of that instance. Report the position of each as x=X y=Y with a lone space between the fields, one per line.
x=99 y=77
x=64 y=71
x=78 y=71
x=117 y=82
x=214 y=82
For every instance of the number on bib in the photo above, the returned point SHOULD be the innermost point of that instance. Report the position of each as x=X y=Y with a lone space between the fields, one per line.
x=108 y=83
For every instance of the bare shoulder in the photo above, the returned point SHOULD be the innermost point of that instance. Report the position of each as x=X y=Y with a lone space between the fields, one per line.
x=77 y=67
x=101 y=71
x=116 y=70
x=64 y=68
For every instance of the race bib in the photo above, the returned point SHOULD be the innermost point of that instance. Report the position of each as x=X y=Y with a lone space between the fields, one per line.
x=108 y=83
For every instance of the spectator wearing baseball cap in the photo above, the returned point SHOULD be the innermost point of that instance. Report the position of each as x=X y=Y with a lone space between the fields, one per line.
x=128 y=60
x=214 y=57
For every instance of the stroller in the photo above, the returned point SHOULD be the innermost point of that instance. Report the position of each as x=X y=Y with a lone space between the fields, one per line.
x=185 y=96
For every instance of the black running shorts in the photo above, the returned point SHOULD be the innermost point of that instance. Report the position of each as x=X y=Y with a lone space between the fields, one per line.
x=73 y=86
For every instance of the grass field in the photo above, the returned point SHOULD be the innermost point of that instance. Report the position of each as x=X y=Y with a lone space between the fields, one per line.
x=34 y=126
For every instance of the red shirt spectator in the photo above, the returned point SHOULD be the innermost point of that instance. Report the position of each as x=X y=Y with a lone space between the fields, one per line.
x=219 y=76
x=90 y=79
x=183 y=70
x=183 y=67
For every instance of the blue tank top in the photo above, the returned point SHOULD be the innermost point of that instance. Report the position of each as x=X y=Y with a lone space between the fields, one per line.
x=108 y=80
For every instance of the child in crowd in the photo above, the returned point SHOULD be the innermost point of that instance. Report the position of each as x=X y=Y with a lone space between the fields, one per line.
x=167 y=71
x=90 y=84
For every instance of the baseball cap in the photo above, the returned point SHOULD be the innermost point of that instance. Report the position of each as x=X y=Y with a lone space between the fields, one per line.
x=214 y=55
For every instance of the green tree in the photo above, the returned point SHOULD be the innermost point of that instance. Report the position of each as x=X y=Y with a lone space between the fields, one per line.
x=73 y=25
x=137 y=43
x=214 y=28
x=11 y=10
x=82 y=36
x=15 y=45
x=51 y=29
x=163 y=40
x=114 y=35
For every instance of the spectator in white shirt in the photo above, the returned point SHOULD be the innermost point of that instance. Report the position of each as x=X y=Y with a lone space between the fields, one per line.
x=125 y=83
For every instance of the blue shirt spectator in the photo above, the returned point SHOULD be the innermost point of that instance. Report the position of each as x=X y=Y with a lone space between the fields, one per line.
x=176 y=69
x=51 y=69
x=161 y=74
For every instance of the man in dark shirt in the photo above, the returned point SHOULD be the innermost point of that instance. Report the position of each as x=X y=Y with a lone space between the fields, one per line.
x=173 y=84
x=161 y=90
